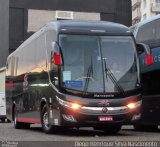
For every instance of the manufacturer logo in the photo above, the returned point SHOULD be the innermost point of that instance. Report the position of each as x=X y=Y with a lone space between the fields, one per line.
x=104 y=95
x=104 y=103
x=104 y=110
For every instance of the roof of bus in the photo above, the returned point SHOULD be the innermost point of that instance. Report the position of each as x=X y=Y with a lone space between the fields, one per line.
x=80 y=27
x=90 y=26
x=147 y=21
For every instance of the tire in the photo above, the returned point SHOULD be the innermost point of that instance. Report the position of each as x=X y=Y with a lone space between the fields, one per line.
x=146 y=127
x=19 y=125
x=8 y=121
x=3 y=120
x=47 y=128
x=110 y=129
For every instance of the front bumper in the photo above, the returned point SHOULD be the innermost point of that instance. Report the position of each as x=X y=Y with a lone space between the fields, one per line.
x=89 y=116
x=70 y=118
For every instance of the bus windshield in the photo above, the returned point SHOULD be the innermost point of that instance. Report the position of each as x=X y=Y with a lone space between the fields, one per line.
x=90 y=62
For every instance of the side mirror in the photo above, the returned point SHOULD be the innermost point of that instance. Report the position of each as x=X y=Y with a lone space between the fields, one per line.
x=56 y=53
x=141 y=47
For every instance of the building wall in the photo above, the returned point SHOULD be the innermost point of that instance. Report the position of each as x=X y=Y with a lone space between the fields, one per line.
x=26 y=23
x=4 y=31
x=148 y=8
x=123 y=12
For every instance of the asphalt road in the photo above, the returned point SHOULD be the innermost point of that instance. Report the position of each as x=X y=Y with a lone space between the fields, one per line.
x=72 y=137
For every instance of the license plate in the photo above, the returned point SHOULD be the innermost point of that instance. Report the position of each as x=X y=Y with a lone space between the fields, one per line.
x=105 y=118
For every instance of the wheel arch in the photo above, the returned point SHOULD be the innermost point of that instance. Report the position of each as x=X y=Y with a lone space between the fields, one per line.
x=43 y=103
x=13 y=107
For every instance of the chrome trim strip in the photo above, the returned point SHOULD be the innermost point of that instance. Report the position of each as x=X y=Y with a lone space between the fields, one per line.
x=100 y=108
x=110 y=110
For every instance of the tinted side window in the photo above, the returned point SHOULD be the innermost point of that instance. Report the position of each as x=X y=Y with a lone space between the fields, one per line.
x=40 y=53
x=51 y=37
x=146 y=32
x=26 y=58
x=158 y=30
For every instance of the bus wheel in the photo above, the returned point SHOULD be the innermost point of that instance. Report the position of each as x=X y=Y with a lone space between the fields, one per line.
x=19 y=125
x=8 y=121
x=146 y=127
x=3 y=120
x=47 y=128
x=110 y=129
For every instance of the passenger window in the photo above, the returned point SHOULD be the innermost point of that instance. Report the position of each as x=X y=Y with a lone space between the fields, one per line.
x=51 y=37
x=158 y=30
x=41 y=53
x=147 y=33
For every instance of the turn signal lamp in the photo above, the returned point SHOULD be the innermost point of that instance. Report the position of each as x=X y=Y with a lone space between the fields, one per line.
x=149 y=59
x=57 y=59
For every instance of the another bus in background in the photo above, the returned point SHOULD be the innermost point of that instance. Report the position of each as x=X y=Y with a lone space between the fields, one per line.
x=2 y=95
x=148 y=32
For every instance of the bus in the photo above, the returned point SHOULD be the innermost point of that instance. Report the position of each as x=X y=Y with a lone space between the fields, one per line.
x=148 y=32
x=2 y=95
x=62 y=76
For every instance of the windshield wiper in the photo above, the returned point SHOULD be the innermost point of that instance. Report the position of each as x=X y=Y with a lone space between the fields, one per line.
x=88 y=77
x=113 y=79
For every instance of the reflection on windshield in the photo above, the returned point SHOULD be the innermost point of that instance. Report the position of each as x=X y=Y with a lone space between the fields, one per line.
x=110 y=73
x=120 y=59
x=83 y=68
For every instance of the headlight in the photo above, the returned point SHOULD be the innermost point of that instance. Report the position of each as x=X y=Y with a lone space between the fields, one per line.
x=131 y=105
x=134 y=105
x=73 y=106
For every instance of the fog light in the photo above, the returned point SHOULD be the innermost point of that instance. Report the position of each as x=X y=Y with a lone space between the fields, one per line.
x=69 y=118
x=136 y=117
